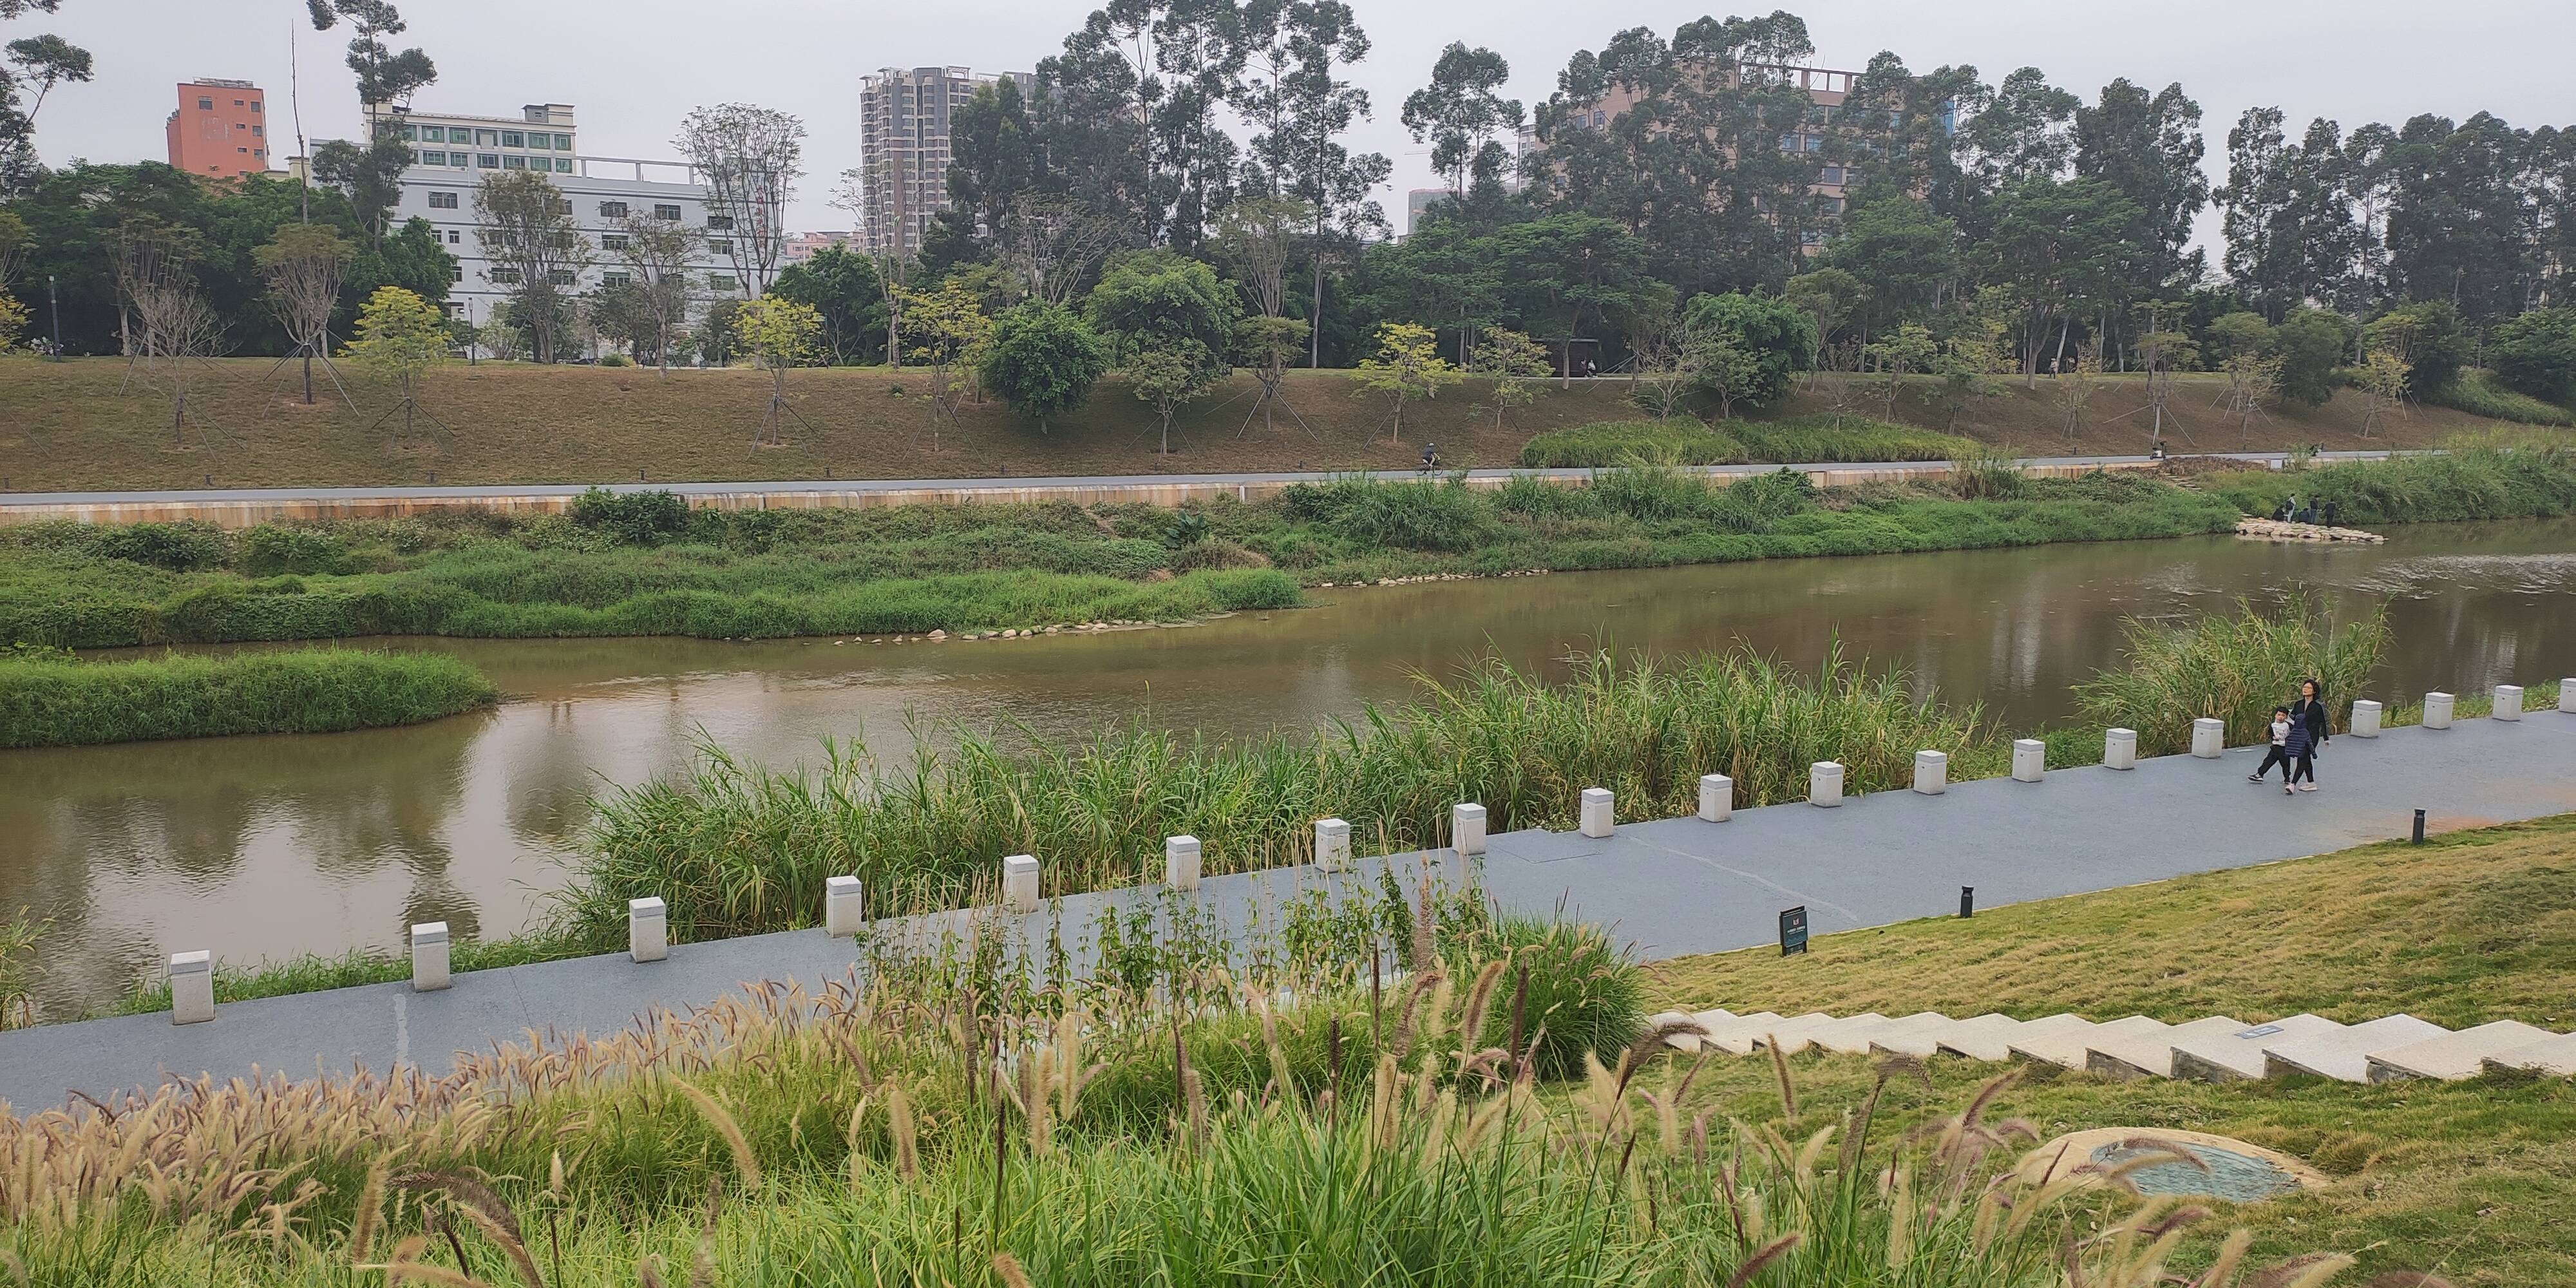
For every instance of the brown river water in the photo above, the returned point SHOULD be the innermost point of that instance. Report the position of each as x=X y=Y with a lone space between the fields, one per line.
x=276 y=846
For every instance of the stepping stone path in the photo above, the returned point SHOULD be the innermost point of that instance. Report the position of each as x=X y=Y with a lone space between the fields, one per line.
x=2216 y=1048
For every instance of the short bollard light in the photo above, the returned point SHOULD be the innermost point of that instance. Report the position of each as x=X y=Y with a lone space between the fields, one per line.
x=1332 y=844
x=2365 y=719
x=1716 y=798
x=192 y=987
x=1181 y=862
x=845 y=906
x=1596 y=812
x=648 y=930
x=2508 y=702
x=1467 y=828
x=1931 y=772
x=2120 y=749
x=1825 y=784
x=2419 y=827
x=1020 y=883
x=1967 y=901
x=2437 y=710
x=429 y=958
x=2208 y=737
x=2030 y=760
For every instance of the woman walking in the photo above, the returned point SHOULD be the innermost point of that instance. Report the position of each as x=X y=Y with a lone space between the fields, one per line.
x=2307 y=734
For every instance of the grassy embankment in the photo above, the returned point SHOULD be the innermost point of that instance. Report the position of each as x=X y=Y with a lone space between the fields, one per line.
x=1800 y=440
x=65 y=427
x=57 y=700
x=1358 y=1138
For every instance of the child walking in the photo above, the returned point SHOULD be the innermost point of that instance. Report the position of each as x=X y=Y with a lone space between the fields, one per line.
x=2280 y=752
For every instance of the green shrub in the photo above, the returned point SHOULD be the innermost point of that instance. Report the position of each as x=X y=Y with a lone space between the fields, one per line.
x=1440 y=515
x=53 y=703
x=632 y=518
x=1631 y=442
x=615 y=360
x=2481 y=393
x=179 y=547
x=268 y=549
x=1827 y=438
x=2535 y=354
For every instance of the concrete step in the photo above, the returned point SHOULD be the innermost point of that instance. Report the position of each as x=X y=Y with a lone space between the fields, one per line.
x=1927 y=1040
x=2065 y=1045
x=1677 y=1041
x=1796 y=1033
x=2149 y=1053
x=2238 y=1055
x=2453 y=1055
x=2553 y=1056
x=1990 y=1037
x=1856 y=1035
x=1736 y=1035
x=2343 y=1054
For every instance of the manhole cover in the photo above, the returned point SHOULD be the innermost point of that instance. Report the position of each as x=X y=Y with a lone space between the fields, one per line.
x=2216 y=1167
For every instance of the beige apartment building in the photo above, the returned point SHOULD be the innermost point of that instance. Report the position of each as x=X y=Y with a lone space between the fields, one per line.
x=904 y=150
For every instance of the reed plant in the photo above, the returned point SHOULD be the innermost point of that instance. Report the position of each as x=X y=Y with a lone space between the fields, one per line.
x=60 y=700
x=2519 y=474
x=2235 y=668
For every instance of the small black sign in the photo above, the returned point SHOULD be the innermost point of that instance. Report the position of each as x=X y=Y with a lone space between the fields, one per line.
x=1793 y=930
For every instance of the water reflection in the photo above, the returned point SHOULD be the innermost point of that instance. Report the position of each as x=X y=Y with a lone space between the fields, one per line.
x=274 y=846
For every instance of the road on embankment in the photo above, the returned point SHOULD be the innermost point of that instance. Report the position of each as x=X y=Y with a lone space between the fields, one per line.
x=241 y=507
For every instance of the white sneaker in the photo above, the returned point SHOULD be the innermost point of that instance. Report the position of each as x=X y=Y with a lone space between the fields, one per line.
x=2307 y=787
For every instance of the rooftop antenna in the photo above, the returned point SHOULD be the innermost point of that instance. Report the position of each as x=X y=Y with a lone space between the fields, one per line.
x=295 y=104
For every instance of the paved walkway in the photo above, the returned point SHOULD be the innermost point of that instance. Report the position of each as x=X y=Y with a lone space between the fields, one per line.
x=866 y=487
x=1673 y=887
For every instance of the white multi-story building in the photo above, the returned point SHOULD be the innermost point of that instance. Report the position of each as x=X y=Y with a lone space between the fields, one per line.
x=452 y=154
x=904 y=150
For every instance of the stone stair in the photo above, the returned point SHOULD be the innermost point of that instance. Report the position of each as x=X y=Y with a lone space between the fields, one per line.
x=2216 y=1048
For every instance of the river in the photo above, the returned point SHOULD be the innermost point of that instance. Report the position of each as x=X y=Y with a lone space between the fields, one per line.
x=275 y=846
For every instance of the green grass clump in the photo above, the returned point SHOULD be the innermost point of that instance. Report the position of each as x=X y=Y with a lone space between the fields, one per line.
x=60 y=701
x=2235 y=668
x=2497 y=477
x=2478 y=392
x=1631 y=442
x=1829 y=438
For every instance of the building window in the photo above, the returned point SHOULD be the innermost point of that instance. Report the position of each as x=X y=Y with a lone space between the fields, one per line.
x=561 y=276
x=258 y=131
x=614 y=278
x=429 y=158
x=538 y=141
x=1832 y=174
x=455 y=272
x=205 y=104
x=454 y=237
x=513 y=139
x=410 y=135
x=612 y=210
x=666 y=212
x=254 y=107
x=433 y=134
x=720 y=245
x=487 y=160
x=244 y=150
x=723 y=282
x=486 y=138
x=563 y=165
x=503 y=276
x=563 y=143
x=513 y=161
x=719 y=223
x=442 y=201
x=259 y=152
x=612 y=241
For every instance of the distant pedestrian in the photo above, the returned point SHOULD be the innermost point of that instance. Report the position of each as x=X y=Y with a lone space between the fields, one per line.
x=2308 y=733
x=2278 y=754
x=2289 y=505
x=2327 y=514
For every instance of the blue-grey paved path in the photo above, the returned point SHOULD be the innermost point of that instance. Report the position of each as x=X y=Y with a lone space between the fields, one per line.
x=1672 y=887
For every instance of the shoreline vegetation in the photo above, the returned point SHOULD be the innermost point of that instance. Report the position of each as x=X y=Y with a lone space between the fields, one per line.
x=50 y=698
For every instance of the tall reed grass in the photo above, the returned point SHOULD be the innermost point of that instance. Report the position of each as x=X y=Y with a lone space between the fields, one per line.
x=64 y=701
x=2235 y=668
x=2524 y=474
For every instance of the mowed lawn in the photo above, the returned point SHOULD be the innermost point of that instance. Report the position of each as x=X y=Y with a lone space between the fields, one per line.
x=2475 y=1181
x=80 y=425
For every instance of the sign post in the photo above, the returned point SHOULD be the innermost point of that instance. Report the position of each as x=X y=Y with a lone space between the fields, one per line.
x=1793 y=930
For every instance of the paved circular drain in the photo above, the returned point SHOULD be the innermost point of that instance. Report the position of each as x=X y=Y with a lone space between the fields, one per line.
x=2219 y=1167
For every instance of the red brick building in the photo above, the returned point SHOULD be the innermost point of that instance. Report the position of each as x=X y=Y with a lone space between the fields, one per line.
x=220 y=130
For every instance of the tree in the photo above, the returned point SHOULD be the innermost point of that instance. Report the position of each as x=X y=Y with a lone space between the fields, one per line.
x=1462 y=117
x=536 y=250
x=1911 y=349
x=1754 y=346
x=2164 y=350
x=2061 y=247
x=779 y=334
x=1043 y=360
x=655 y=255
x=2288 y=224
x=371 y=172
x=2243 y=344
x=303 y=264
x=400 y=337
x=841 y=286
x=748 y=157
x=1827 y=296
x=2536 y=354
x=2311 y=344
x=1170 y=324
x=1904 y=252
x=1515 y=364
x=2382 y=378
x=719 y=334
x=2073 y=388
x=38 y=63
x=1255 y=238
x=179 y=329
x=950 y=332
x=995 y=159
x=1263 y=345
x=1569 y=273
x=1300 y=103
x=2147 y=148
x=1407 y=365
x=16 y=243
x=1054 y=243
x=2428 y=338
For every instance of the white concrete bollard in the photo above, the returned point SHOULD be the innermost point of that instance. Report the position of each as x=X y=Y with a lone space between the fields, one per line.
x=1825 y=784
x=2030 y=760
x=1020 y=882
x=2437 y=710
x=2208 y=737
x=192 y=987
x=1597 y=821
x=1467 y=828
x=1332 y=844
x=1181 y=862
x=1716 y=797
x=648 y=930
x=2567 y=695
x=2508 y=702
x=429 y=957
x=2120 y=749
x=845 y=906
x=1931 y=772
x=2365 y=719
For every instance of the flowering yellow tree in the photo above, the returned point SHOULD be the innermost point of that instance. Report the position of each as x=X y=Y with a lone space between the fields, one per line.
x=778 y=334
x=1407 y=365
x=400 y=337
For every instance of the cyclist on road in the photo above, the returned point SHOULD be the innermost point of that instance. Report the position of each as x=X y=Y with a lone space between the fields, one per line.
x=1430 y=457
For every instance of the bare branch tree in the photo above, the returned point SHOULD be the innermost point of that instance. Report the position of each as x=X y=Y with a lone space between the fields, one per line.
x=748 y=157
x=527 y=231
x=656 y=254
x=1052 y=243
x=302 y=266
x=152 y=255
x=182 y=332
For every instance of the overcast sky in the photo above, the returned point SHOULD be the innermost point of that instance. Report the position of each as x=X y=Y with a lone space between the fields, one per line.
x=633 y=68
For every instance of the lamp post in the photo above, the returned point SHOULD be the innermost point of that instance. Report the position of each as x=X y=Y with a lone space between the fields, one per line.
x=54 y=303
